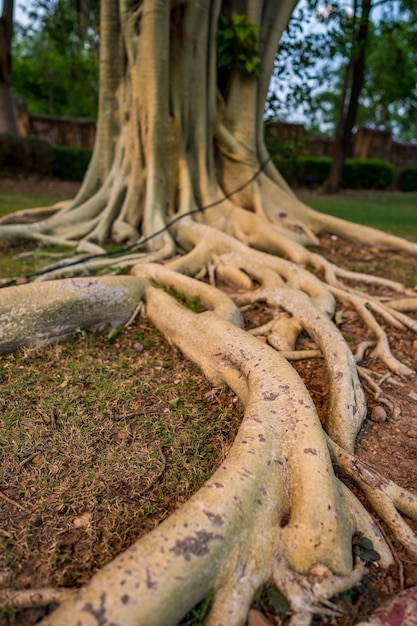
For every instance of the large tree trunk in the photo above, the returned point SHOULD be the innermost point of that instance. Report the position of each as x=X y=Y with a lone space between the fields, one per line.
x=180 y=162
x=7 y=111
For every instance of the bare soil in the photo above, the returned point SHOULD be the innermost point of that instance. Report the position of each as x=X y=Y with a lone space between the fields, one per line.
x=108 y=435
x=34 y=184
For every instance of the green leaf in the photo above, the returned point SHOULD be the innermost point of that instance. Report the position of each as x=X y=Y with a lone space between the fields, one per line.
x=366 y=543
x=225 y=60
x=242 y=32
x=175 y=403
x=227 y=33
x=277 y=601
x=238 y=18
x=113 y=334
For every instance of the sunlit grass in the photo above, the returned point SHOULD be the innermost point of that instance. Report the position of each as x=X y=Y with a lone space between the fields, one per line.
x=395 y=213
x=12 y=202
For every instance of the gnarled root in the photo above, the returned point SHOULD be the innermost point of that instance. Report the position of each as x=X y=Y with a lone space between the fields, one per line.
x=35 y=315
x=28 y=598
x=387 y=498
x=274 y=510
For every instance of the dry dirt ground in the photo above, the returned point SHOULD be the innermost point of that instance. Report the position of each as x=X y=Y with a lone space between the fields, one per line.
x=106 y=435
x=38 y=185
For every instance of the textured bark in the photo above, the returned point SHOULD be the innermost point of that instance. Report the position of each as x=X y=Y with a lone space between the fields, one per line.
x=352 y=88
x=169 y=143
x=7 y=113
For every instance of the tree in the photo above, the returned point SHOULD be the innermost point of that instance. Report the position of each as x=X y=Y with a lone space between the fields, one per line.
x=370 y=75
x=312 y=73
x=180 y=173
x=55 y=58
x=7 y=114
x=302 y=67
x=390 y=97
x=353 y=81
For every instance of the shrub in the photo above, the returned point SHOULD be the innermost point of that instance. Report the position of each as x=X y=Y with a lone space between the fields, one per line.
x=368 y=174
x=37 y=156
x=11 y=151
x=70 y=163
x=407 y=178
x=357 y=174
x=304 y=171
x=25 y=153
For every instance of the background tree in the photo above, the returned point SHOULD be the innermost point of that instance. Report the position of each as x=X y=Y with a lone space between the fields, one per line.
x=180 y=174
x=389 y=98
x=7 y=115
x=55 y=54
x=311 y=74
x=353 y=81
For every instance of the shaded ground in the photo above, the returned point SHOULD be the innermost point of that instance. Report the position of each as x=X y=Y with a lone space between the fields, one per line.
x=103 y=437
x=38 y=185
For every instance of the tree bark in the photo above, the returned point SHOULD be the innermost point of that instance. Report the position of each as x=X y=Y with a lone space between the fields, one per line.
x=352 y=88
x=8 y=122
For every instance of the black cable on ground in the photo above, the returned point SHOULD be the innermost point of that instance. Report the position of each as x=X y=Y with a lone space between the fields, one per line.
x=120 y=251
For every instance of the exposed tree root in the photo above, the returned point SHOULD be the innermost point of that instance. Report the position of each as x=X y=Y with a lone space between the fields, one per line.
x=32 y=599
x=387 y=498
x=180 y=163
x=51 y=312
x=274 y=511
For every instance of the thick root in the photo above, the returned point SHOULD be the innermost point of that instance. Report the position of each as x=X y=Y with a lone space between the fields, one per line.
x=387 y=498
x=35 y=315
x=272 y=509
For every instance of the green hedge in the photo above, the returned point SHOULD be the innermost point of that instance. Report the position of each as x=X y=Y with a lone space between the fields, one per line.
x=25 y=153
x=407 y=178
x=368 y=174
x=304 y=171
x=35 y=156
x=357 y=174
x=70 y=163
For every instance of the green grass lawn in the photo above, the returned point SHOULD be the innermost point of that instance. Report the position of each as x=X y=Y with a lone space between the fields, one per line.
x=392 y=212
x=26 y=258
x=11 y=202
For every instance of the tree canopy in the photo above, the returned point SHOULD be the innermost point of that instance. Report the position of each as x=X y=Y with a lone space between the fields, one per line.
x=55 y=58
x=314 y=54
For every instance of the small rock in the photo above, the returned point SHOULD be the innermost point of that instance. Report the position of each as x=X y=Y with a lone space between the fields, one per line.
x=379 y=414
x=5 y=576
x=83 y=521
x=256 y=618
x=35 y=520
x=412 y=433
x=400 y=610
x=396 y=414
